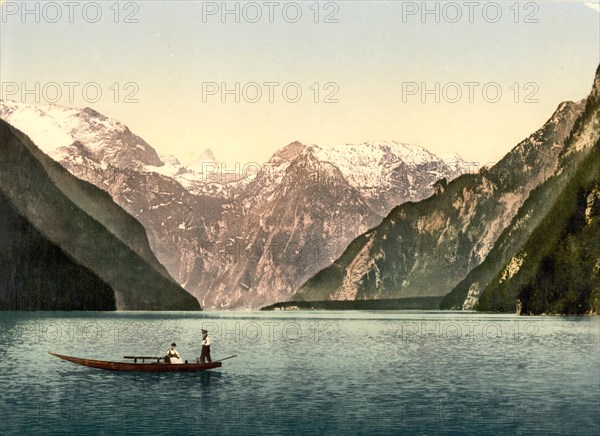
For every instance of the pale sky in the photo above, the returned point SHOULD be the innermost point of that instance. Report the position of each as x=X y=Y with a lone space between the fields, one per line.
x=376 y=54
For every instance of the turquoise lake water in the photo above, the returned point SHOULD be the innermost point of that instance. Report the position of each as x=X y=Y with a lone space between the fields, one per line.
x=304 y=373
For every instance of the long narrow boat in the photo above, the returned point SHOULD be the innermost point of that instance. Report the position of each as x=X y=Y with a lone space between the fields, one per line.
x=154 y=366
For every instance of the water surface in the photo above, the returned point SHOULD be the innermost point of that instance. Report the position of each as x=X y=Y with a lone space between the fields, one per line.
x=304 y=373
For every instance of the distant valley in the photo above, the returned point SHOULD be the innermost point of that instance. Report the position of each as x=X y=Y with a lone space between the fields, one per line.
x=373 y=221
x=238 y=240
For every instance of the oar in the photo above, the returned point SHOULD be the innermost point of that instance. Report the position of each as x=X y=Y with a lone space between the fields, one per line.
x=230 y=357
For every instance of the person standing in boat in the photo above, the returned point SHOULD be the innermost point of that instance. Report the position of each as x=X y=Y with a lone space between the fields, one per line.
x=172 y=355
x=205 y=354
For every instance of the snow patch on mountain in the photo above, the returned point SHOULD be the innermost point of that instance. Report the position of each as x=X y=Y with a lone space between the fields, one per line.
x=235 y=235
x=57 y=129
x=45 y=131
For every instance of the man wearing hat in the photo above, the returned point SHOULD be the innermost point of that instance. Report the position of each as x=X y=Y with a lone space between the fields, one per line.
x=172 y=355
x=205 y=354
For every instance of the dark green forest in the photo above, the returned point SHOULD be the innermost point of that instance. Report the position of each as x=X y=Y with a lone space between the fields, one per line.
x=561 y=259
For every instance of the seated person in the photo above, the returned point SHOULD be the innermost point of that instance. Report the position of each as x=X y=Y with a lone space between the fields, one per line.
x=172 y=355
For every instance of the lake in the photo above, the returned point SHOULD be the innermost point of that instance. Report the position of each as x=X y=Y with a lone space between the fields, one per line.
x=313 y=372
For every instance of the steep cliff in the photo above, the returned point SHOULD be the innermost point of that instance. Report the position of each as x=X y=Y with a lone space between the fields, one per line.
x=426 y=248
x=65 y=244
x=579 y=142
x=557 y=270
x=238 y=237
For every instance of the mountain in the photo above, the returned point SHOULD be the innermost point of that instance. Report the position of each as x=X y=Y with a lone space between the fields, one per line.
x=248 y=236
x=36 y=274
x=389 y=173
x=491 y=286
x=62 y=132
x=199 y=162
x=105 y=153
x=297 y=212
x=66 y=245
x=426 y=248
x=558 y=268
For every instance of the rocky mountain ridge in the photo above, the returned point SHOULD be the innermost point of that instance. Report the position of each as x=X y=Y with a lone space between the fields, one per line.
x=426 y=248
x=245 y=238
x=466 y=239
x=507 y=257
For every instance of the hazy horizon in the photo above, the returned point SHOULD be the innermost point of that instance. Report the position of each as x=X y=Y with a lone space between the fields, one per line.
x=370 y=60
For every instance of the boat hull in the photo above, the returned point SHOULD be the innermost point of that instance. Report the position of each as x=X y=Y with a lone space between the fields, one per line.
x=140 y=367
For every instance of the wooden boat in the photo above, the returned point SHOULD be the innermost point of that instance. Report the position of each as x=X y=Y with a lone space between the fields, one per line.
x=154 y=366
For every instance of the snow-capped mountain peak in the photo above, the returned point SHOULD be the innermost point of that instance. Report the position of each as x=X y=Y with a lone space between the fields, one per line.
x=55 y=129
x=199 y=161
x=49 y=134
x=246 y=237
x=169 y=159
x=387 y=172
x=451 y=158
x=287 y=153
